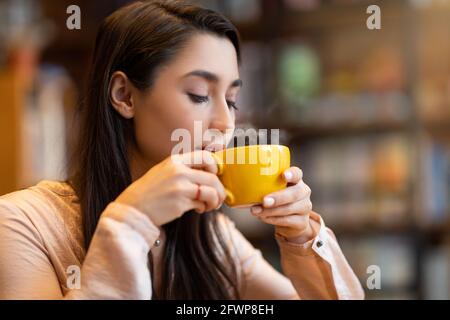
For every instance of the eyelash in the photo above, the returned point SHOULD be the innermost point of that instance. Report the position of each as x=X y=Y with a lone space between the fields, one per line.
x=202 y=99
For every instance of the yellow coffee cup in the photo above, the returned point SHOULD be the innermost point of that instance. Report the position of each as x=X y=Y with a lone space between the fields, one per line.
x=249 y=173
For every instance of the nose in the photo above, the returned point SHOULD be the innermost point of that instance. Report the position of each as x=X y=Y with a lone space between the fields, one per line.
x=221 y=117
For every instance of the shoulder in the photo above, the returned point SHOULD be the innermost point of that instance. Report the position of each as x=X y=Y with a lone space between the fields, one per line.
x=44 y=203
x=49 y=211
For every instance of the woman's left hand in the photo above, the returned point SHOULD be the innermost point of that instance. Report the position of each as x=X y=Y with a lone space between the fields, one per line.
x=288 y=209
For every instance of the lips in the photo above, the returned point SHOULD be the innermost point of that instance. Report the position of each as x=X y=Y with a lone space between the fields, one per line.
x=213 y=147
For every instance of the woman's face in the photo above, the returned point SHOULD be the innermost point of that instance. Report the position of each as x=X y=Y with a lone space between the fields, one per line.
x=200 y=84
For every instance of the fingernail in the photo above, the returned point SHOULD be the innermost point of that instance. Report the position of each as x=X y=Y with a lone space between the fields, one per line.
x=288 y=175
x=256 y=210
x=269 y=201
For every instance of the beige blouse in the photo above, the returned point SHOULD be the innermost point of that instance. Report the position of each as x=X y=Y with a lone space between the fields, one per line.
x=42 y=254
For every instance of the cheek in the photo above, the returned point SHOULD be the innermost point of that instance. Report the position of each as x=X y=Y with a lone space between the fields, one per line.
x=156 y=118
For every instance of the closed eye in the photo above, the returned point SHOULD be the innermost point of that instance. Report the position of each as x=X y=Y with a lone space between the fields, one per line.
x=203 y=99
x=198 y=99
x=232 y=104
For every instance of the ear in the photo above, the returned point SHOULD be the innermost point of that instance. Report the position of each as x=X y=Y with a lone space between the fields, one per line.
x=120 y=94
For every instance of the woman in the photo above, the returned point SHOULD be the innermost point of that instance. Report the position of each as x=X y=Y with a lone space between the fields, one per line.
x=140 y=224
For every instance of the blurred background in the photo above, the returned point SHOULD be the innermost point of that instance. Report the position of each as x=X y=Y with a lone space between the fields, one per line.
x=365 y=112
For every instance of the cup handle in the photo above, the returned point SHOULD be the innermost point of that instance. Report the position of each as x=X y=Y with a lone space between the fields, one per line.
x=229 y=199
x=219 y=163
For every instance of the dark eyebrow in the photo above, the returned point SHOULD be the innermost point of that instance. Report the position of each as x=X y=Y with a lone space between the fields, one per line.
x=211 y=77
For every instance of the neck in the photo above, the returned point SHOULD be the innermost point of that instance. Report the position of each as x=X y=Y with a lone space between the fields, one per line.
x=138 y=164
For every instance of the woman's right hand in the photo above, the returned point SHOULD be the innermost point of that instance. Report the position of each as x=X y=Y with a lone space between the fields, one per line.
x=169 y=188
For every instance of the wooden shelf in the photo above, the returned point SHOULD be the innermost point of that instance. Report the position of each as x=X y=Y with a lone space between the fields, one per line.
x=365 y=230
x=431 y=232
x=437 y=232
x=437 y=126
x=337 y=16
x=299 y=132
x=12 y=91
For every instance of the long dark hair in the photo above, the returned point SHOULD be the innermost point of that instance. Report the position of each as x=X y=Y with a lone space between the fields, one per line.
x=138 y=39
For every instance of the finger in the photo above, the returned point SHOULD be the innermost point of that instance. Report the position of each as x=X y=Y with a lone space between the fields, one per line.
x=199 y=159
x=198 y=206
x=293 y=221
x=290 y=194
x=211 y=197
x=207 y=179
x=208 y=196
x=293 y=175
x=301 y=207
x=186 y=204
x=256 y=209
